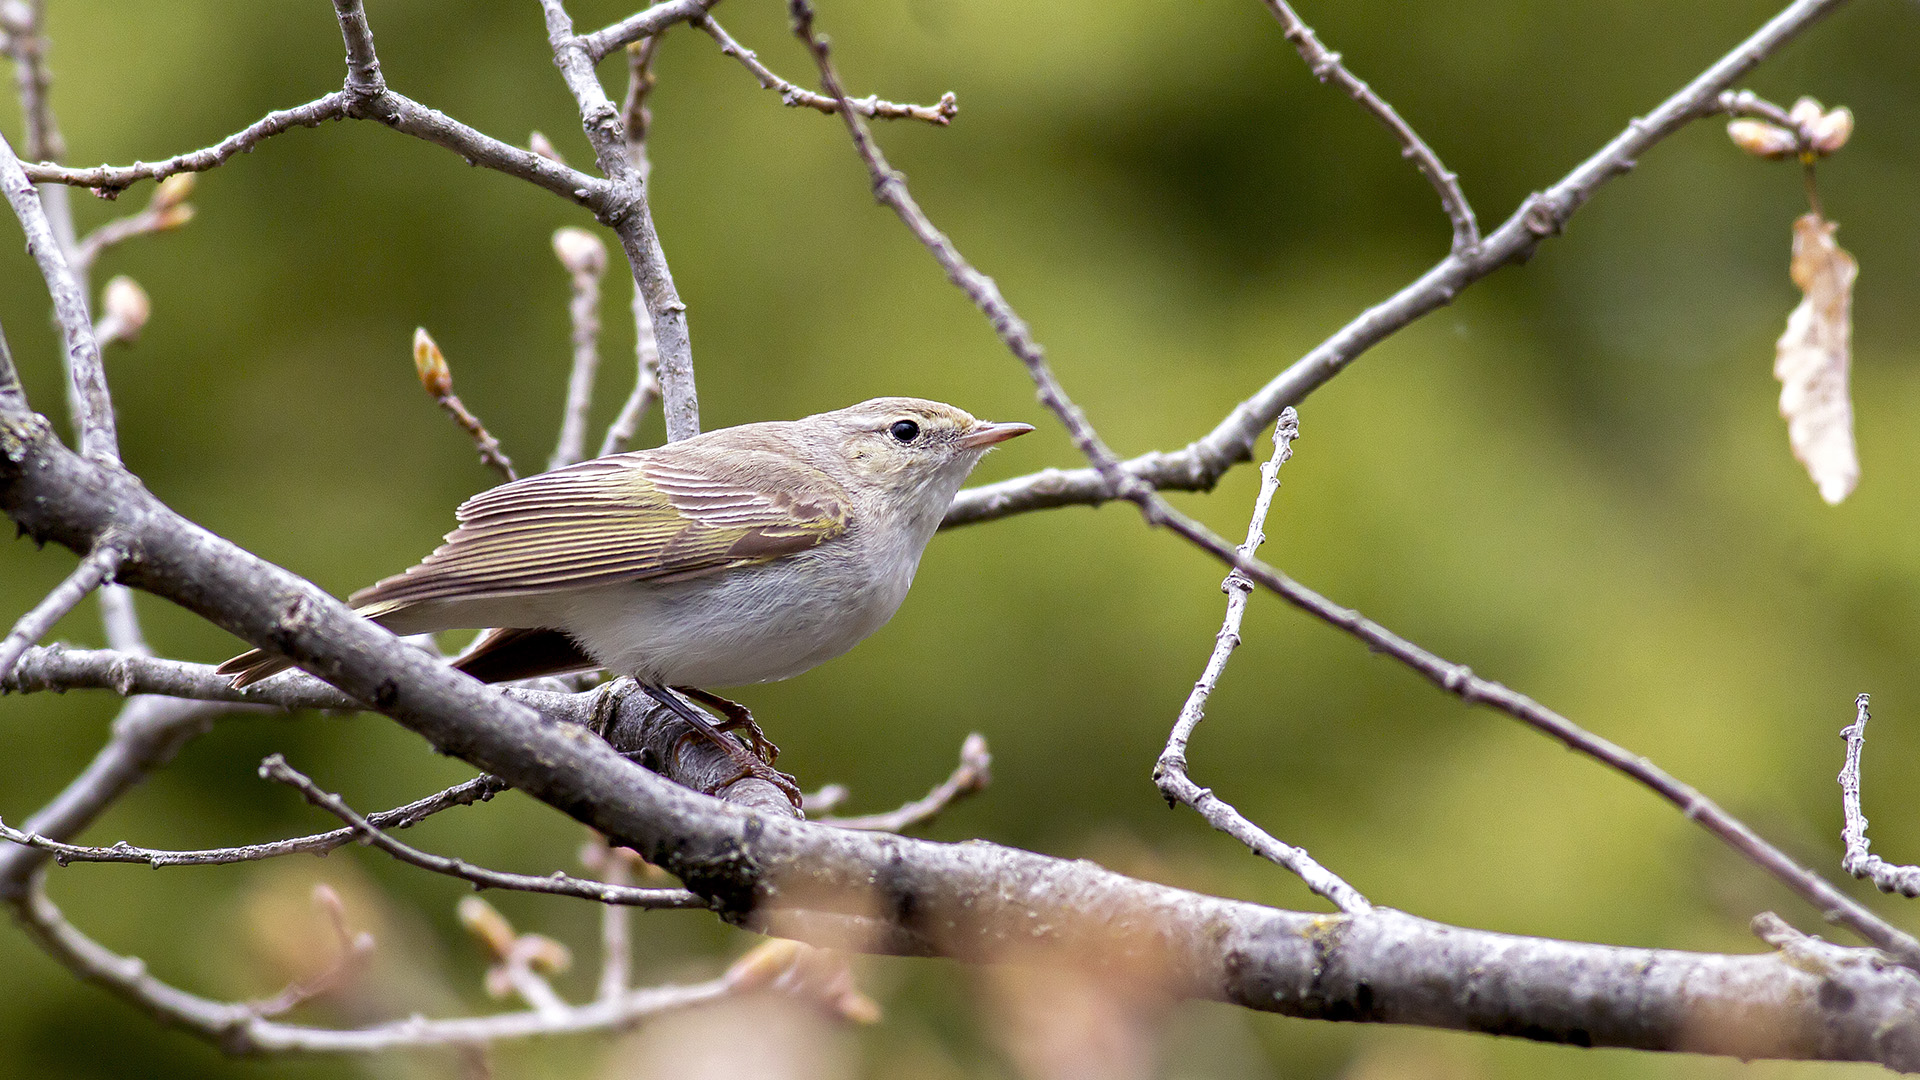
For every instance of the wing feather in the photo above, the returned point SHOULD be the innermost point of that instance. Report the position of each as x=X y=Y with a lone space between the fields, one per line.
x=676 y=512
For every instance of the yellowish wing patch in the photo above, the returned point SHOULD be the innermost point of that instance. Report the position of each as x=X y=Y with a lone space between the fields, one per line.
x=667 y=514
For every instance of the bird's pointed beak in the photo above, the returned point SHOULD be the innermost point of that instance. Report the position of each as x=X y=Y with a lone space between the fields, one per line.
x=985 y=434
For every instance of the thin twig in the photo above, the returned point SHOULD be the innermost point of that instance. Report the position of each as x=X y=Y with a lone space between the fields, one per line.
x=236 y=1027
x=1887 y=877
x=585 y=259
x=1199 y=465
x=970 y=777
x=479 y=789
x=1326 y=67
x=614 y=865
x=645 y=24
x=97 y=567
x=939 y=114
x=636 y=118
x=1170 y=771
x=109 y=180
x=890 y=189
x=12 y=395
x=275 y=768
x=93 y=406
x=147 y=733
x=166 y=211
x=356 y=948
x=436 y=376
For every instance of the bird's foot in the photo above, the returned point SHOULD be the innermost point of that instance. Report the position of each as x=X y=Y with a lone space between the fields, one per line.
x=749 y=763
x=738 y=718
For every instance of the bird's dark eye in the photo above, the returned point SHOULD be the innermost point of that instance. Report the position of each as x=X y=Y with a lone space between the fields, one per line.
x=904 y=431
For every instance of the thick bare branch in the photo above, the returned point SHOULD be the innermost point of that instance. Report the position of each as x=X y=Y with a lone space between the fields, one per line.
x=939 y=114
x=1326 y=66
x=1200 y=464
x=1170 y=771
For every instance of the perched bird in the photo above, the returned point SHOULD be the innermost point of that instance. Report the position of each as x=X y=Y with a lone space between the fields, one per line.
x=743 y=555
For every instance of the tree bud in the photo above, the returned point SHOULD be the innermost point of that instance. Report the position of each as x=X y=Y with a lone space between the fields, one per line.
x=580 y=251
x=1761 y=139
x=431 y=365
x=126 y=303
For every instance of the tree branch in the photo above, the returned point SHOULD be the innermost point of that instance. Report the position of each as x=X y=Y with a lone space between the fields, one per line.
x=1170 y=771
x=109 y=181
x=584 y=258
x=93 y=407
x=239 y=1027
x=626 y=209
x=647 y=23
x=98 y=565
x=1887 y=877
x=939 y=114
x=478 y=789
x=970 y=777
x=1326 y=67
x=275 y=768
x=1200 y=464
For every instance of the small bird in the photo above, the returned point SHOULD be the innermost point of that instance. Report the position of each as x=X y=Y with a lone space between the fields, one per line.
x=742 y=555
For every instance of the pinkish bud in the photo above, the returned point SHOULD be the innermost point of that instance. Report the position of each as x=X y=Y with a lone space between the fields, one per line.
x=1761 y=139
x=1805 y=111
x=126 y=304
x=172 y=217
x=173 y=191
x=540 y=144
x=1830 y=132
x=580 y=251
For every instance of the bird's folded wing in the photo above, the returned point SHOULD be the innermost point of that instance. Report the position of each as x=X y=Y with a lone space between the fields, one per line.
x=642 y=516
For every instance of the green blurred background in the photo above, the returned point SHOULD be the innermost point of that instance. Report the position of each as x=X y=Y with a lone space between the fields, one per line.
x=1573 y=479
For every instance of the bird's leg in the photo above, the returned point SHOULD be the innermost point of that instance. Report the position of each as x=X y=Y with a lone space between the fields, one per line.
x=738 y=719
x=748 y=763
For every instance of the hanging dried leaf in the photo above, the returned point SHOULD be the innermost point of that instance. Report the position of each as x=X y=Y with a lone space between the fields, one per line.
x=1812 y=358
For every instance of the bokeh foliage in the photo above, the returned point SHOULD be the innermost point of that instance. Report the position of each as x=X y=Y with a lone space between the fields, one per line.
x=1573 y=479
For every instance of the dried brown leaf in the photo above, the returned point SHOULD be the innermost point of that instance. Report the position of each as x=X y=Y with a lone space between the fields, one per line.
x=1812 y=358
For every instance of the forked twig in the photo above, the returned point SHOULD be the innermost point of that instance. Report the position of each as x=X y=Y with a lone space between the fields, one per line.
x=93 y=571
x=275 y=768
x=1170 y=771
x=970 y=777
x=939 y=114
